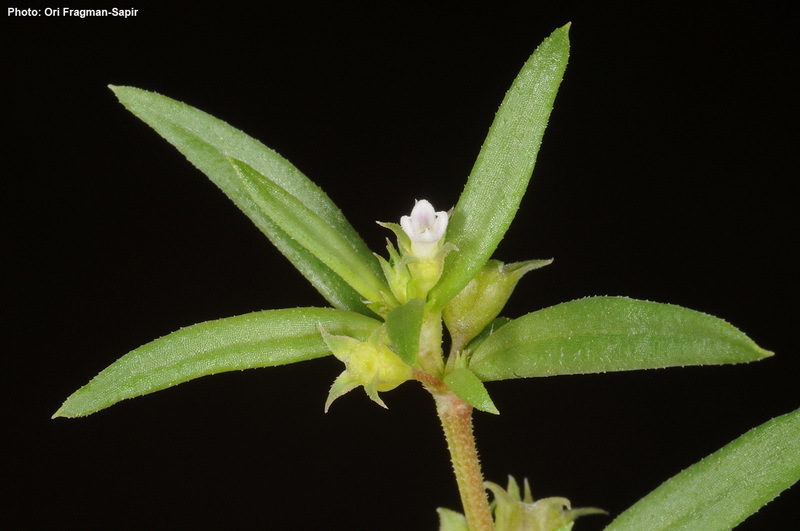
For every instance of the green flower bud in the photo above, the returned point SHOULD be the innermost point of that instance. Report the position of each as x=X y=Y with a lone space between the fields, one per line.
x=370 y=364
x=513 y=512
x=482 y=299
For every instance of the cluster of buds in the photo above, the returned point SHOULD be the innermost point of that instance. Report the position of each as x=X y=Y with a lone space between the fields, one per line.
x=513 y=511
x=412 y=269
x=411 y=272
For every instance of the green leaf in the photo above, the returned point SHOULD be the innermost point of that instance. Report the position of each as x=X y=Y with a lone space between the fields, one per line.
x=208 y=142
x=403 y=325
x=312 y=232
x=600 y=334
x=503 y=168
x=490 y=329
x=726 y=487
x=260 y=339
x=470 y=389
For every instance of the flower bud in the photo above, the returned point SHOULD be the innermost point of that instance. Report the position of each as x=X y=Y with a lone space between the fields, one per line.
x=370 y=364
x=513 y=512
x=482 y=299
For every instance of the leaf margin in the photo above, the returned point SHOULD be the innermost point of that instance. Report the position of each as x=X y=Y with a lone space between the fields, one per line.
x=522 y=348
x=763 y=448
x=201 y=350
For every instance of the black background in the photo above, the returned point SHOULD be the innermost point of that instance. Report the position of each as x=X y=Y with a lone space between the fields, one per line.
x=666 y=174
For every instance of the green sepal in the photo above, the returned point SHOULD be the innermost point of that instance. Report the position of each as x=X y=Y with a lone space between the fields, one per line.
x=312 y=232
x=344 y=383
x=450 y=520
x=602 y=334
x=501 y=173
x=403 y=241
x=470 y=389
x=260 y=339
x=372 y=392
x=722 y=490
x=403 y=325
x=207 y=142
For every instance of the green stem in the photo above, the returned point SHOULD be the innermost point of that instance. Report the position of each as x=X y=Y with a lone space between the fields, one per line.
x=456 y=418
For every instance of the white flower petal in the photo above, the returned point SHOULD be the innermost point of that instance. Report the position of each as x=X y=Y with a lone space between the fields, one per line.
x=422 y=216
x=425 y=228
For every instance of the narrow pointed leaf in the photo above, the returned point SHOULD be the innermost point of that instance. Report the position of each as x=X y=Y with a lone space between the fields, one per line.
x=403 y=325
x=503 y=168
x=312 y=232
x=208 y=142
x=726 y=487
x=470 y=389
x=600 y=334
x=260 y=339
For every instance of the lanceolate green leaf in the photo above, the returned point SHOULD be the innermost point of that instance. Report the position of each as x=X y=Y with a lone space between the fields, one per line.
x=208 y=142
x=600 y=334
x=312 y=232
x=403 y=325
x=470 y=389
x=726 y=487
x=503 y=167
x=259 y=339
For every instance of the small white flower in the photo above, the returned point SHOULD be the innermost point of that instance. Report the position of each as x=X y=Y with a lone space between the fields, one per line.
x=425 y=227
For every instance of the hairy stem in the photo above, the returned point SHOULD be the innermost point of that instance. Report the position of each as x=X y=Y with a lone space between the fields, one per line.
x=456 y=418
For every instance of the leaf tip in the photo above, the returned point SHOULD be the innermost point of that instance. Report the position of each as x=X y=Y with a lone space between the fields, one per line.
x=63 y=413
x=764 y=353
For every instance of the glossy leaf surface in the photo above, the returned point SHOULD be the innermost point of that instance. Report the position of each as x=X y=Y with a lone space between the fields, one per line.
x=601 y=334
x=503 y=168
x=726 y=487
x=208 y=142
x=260 y=339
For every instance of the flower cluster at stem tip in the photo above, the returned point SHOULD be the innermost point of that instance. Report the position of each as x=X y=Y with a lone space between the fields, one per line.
x=412 y=269
x=411 y=272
